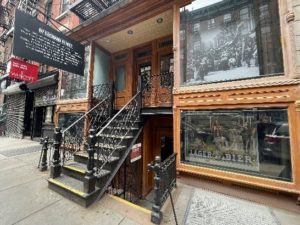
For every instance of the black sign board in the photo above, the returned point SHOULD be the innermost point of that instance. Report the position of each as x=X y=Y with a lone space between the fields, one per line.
x=37 y=41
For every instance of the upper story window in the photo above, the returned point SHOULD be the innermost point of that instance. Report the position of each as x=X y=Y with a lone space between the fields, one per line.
x=227 y=17
x=64 y=5
x=211 y=24
x=244 y=13
x=196 y=27
x=244 y=43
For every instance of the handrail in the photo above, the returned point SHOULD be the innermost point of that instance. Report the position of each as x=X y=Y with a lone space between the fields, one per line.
x=109 y=96
x=73 y=138
x=69 y=127
x=118 y=113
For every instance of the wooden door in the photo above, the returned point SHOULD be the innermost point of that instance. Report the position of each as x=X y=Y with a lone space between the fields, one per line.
x=162 y=145
x=121 y=82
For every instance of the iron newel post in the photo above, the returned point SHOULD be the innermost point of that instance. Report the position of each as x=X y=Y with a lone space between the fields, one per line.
x=90 y=179
x=56 y=166
x=45 y=142
x=156 y=214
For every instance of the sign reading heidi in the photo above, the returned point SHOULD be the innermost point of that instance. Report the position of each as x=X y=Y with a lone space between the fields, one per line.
x=136 y=152
x=37 y=41
x=22 y=70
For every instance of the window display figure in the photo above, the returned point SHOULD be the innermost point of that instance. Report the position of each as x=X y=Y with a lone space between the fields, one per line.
x=246 y=133
x=261 y=134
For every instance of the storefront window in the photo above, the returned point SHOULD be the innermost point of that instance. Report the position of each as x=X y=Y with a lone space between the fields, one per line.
x=228 y=40
x=74 y=86
x=247 y=141
x=67 y=119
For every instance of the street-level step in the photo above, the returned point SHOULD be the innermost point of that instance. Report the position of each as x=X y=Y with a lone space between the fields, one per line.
x=72 y=189
x=77 y=170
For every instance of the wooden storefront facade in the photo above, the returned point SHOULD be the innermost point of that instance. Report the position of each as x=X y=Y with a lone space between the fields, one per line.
x=147 y=55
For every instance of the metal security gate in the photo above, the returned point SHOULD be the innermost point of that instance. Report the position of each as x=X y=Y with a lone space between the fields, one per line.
x=15 y=115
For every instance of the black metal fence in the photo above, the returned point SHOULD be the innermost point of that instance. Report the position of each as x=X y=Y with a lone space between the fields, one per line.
x=165 y=181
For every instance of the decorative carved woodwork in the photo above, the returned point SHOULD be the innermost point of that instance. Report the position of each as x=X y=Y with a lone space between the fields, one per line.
x=259 y=97
x=159 y=91
x=245 y=96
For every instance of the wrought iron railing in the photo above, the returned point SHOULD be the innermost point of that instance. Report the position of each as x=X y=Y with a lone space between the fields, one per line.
x=165 y=181
x=119 y=126
x=73 y=137
x=158 y=90
x=3 y=113
x=102 y=90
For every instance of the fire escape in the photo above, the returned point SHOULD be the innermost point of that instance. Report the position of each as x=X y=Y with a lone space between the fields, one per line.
x=86 y=9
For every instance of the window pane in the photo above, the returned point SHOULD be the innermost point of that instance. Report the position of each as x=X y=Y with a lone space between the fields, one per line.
x=74 y=86
x=120 y=78
x=67 y=119
x=222 y=40
x=254 y=142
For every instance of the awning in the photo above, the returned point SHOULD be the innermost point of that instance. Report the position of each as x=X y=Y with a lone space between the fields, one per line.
x=13 y=89
x=44 y=82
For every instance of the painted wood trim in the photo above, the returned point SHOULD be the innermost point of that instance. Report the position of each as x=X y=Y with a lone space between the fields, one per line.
x=294 y=124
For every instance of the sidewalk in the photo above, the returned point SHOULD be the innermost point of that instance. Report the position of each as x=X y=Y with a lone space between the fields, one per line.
x=26 y=199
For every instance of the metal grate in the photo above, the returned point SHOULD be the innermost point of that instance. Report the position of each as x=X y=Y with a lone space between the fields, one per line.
x=86 y=9
x=15 y=115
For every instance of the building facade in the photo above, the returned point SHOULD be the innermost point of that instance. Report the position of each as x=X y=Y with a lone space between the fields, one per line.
x=233 y=65
x=219 y=80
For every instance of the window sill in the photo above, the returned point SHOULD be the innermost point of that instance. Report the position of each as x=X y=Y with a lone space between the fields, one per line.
x=63 y=15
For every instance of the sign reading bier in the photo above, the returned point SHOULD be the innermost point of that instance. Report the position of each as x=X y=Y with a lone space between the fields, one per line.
x=21 y=70
x=37 y=41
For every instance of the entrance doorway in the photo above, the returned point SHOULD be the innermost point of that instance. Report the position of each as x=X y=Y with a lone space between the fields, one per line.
x=39 y=114
x=28 y=115
x=157 y=141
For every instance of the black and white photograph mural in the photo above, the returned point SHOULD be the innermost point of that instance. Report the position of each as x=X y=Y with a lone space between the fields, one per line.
x=222 y=40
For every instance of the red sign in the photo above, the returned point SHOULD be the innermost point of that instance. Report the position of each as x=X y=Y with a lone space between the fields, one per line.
x=136 y=152
x=22 y=70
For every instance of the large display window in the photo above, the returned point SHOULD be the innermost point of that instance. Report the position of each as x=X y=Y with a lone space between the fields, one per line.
x=225 y=40
x=251 y=141
x=74 y=86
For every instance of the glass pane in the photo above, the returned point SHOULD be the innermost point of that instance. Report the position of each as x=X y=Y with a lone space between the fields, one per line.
x=167 y=64
x=67 y=119
x=145 y=73
x=74 y=86
x=255 y=142
x=120 y=78
x=222 y=40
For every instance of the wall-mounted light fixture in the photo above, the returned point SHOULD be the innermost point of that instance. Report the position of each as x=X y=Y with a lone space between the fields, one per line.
x=159 y=20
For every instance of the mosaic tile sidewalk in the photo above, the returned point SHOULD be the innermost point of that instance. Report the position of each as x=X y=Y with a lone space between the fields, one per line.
x=209 y=208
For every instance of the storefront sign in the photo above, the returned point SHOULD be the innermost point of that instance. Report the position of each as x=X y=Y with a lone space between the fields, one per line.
x=37 y=41
x=136 y=152
x=21 y=70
